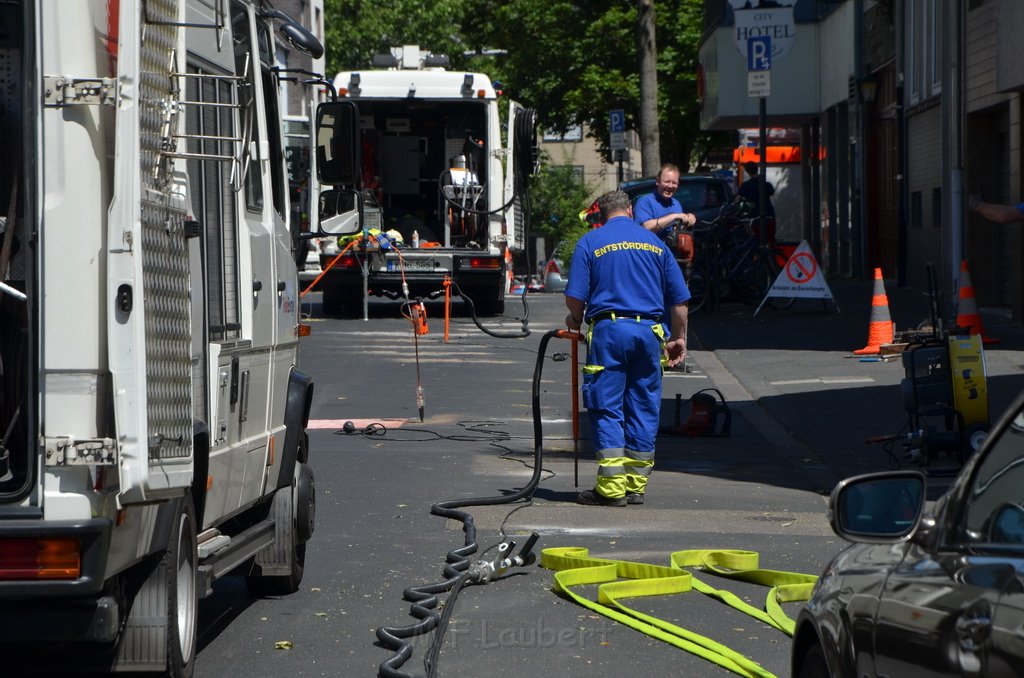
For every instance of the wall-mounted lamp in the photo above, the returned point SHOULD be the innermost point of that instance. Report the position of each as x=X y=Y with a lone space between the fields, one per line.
x=868 y=89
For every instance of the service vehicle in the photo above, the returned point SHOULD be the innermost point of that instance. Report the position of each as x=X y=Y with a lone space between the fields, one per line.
x=437 y=188
x=927 y=589
x=152 y=412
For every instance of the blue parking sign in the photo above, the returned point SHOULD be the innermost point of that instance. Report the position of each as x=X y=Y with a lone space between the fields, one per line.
x=759 y=53
x=617 y=120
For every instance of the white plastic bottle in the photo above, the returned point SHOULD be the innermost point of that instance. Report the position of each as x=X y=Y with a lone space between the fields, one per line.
x=415 y=239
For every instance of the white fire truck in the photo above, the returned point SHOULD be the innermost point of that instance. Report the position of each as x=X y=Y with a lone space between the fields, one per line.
x=151 y=411
x=436 y=177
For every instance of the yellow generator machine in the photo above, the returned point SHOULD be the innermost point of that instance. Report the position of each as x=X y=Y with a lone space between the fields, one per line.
x=946 y=397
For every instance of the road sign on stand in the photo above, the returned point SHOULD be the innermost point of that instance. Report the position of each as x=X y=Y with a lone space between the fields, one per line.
x=800 y=278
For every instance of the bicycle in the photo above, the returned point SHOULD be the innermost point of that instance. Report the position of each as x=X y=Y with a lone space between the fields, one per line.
x=730 y=262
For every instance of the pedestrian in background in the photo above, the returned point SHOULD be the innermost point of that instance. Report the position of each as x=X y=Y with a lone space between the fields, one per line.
x=621 y=280
x=751 y=189
x=658 y=210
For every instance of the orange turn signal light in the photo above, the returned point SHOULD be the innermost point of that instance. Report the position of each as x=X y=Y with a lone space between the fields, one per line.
x=303 y=330
x=40 y=558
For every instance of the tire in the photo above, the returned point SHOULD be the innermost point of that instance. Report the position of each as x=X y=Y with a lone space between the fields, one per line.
x=698 y=286
x=336 y=303
x=752 y=282
x=484 y=303
x=813 y=664
x=182 y=594
x=288 y=551
x=779 y=303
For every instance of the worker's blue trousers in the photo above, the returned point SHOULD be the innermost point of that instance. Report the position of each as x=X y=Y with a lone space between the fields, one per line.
x=622 y=393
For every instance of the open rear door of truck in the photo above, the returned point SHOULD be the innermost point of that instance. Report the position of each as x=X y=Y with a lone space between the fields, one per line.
x=514 y=217
x=149 y=324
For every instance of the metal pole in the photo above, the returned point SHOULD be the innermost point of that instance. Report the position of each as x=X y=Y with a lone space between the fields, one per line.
x=762 y=187
x=575 y=413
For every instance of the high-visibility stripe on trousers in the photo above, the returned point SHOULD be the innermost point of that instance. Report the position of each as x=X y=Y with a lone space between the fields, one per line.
x=622 y=394
x=623 y=474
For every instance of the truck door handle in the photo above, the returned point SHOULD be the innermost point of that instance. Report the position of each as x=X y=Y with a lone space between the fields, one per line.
x=257 y=286
x=281 y=286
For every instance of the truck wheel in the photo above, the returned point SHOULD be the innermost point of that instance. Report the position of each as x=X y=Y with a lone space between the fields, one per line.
x=182 y=593
x=338 y=301
x=169 y=591
x=288 y=552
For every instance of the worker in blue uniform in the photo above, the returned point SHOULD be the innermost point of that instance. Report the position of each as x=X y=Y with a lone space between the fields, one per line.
x=622 y=279
x=657 y=211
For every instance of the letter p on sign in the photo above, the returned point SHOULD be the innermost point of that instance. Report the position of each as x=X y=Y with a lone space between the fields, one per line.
x=759 y=53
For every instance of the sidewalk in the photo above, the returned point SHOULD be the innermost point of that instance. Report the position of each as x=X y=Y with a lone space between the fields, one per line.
x=795 y=389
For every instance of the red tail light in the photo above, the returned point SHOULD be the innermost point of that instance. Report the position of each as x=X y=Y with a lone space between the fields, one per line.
x=40 y=558
x=481 y=262
x=552 y=267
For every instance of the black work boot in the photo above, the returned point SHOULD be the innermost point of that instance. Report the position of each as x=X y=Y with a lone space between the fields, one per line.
x=634 y=498
x=594 y=498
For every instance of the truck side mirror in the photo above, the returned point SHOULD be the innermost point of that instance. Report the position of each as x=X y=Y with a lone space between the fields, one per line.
x=337 y=143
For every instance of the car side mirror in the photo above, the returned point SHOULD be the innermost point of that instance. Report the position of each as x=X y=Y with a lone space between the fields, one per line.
x=1007 y=525
x=878 y=508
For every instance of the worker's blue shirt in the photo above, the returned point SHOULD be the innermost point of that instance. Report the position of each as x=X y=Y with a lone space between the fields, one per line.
x=623 y=267
x=654 y=206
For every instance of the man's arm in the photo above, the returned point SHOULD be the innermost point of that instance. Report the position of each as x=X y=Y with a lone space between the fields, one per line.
x=576 y=310
x=675 y=347
x=1000 y=214
x=644 y=215
x=659 y=223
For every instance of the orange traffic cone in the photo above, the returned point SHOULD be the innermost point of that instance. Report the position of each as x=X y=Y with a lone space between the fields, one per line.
x=967 y=315
x=880 y=328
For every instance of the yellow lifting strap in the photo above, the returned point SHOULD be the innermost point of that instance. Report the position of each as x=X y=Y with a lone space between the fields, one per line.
x=620 y=579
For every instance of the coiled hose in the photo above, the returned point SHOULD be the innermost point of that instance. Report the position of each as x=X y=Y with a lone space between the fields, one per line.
x=424 y=598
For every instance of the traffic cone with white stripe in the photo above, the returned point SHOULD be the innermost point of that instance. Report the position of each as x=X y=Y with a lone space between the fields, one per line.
x=880 y=328
x=967 y=315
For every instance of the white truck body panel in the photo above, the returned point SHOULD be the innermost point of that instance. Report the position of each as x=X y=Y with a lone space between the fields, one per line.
x=149 y=308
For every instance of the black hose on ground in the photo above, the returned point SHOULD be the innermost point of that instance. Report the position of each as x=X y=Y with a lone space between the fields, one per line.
x=424 y=598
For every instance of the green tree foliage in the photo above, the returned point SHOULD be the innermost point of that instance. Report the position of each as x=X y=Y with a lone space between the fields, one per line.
x=572 y=61
x=556 y=197
x=356 y=30
x=582 y=63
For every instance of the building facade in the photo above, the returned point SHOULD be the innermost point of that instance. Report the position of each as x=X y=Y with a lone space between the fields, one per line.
x=905 y=108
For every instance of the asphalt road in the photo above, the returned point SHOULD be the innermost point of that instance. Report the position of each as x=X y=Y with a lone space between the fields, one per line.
x=758 y=490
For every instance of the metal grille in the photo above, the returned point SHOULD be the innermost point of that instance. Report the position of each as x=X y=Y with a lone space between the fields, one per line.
x=165 y=263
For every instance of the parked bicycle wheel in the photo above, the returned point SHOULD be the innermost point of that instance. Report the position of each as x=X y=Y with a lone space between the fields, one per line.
x=699 y=289
x=751 y=278
x=777 y=256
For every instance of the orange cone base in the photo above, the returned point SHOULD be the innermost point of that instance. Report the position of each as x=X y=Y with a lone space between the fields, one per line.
x=868 y=350
x=972 y=323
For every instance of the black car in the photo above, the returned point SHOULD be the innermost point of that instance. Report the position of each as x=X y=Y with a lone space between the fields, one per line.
x=700 y=194
x=925 y=590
